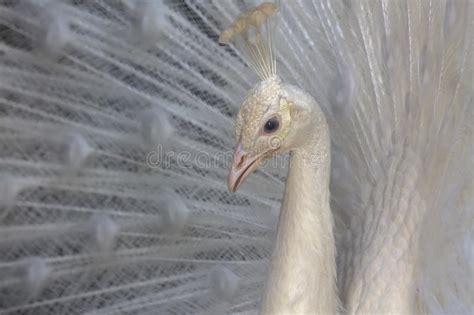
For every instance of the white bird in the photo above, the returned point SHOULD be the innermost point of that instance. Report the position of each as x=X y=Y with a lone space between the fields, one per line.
x=117 y=120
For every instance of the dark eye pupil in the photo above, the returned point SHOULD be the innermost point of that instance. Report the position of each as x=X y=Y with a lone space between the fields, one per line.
x=271 y=125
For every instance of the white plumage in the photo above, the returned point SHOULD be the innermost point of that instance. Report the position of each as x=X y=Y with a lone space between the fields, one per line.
x=116 y=132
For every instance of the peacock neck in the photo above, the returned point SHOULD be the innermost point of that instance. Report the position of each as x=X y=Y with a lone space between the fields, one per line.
x=302 y=275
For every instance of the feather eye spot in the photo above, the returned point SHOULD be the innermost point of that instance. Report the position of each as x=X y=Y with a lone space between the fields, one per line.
x=56 y=36
x=77 y=151
x=156 y=128
x=174 y=212
x=105 y=232
x=36 y=274
x=224 y=283
x=149 y=20
x=10 y=188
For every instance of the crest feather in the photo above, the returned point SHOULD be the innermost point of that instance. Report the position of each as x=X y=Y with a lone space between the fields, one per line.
x=252 y=33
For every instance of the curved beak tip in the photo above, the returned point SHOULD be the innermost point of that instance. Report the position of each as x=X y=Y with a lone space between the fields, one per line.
x=231 y=187
x=243 y=165
x=238 y=170
x=231 y=183
x=236 y=176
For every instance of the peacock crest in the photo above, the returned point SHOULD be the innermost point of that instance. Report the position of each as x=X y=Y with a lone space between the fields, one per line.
x=252 y=33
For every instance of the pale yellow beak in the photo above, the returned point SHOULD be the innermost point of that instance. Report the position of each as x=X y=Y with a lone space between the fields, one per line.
x=243 y=165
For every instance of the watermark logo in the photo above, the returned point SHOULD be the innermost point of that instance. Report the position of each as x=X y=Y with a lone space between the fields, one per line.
x=275 y=142
x=164 y=159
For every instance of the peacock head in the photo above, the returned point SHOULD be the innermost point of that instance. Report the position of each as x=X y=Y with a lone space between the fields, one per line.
x=269 y=122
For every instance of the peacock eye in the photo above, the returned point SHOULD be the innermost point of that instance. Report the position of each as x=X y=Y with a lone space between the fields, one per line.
x=271 y=125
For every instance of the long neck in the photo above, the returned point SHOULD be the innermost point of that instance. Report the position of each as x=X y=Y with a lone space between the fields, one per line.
x=302 y=275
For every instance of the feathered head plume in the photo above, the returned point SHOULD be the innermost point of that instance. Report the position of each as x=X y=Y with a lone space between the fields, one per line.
x=252 y=32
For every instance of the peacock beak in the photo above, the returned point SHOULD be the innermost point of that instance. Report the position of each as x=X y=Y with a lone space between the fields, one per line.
x=243 y=165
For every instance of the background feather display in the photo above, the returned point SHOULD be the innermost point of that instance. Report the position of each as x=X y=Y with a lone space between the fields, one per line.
x=116 y=133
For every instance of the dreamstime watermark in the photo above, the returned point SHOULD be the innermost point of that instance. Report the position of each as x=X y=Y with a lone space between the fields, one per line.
x=165 y=159
x=162 y=158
